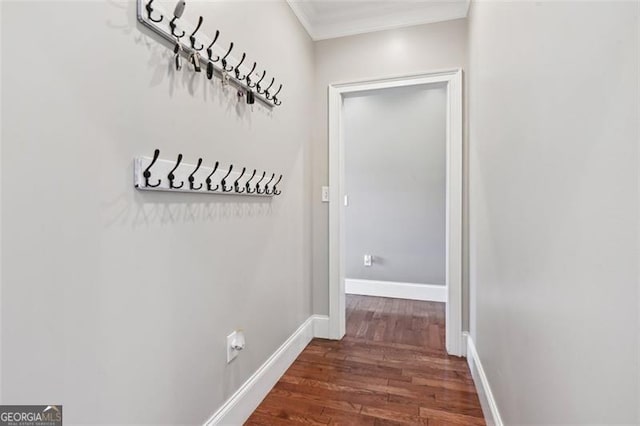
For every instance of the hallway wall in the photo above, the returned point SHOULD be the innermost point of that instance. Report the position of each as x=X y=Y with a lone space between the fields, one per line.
x=115 y=302
x=395 y=177
x=554 y=208
x=411 y=50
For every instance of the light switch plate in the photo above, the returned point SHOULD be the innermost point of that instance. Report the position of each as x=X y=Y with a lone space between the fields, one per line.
x=325 y=194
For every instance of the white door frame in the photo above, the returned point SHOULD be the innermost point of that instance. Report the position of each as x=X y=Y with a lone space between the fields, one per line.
x=453 y=81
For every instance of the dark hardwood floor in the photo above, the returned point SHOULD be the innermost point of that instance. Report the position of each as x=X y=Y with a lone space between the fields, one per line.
x=391 y=368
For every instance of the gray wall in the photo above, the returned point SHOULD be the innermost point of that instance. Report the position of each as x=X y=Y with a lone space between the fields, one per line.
x=116 y=303
x=410 y=50
x=395 y=142
x=554 y=104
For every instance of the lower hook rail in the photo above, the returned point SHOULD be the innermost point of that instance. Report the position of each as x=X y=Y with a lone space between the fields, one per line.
x=157 y=174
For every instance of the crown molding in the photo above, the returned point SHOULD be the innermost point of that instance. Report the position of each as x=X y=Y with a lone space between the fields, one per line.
x=440 y=12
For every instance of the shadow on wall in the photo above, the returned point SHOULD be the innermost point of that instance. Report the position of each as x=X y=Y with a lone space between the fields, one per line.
x=166 y=208
x=161 y=61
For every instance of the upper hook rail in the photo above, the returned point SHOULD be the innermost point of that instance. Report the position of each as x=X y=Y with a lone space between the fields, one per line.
x=149 y=9
x=177 y=14
x=224 y=59
x=172 y=176
x=147 y=171
x=238 y=71
x=192 y=37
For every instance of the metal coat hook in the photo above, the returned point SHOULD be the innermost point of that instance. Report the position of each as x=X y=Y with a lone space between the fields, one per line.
x=150 y=10
x=247 y=186
x=237 y=68
x=224 y=59
x=258 y=184
x=258 y=82
x=272 y=97
x=224 y=181
x=208 y=180
x=147 y=171
x=258 y=86
x=248 y=76
x=177 y=14
x=236 y=186
x=266 y=186
x=275 y=190
x=171 y=176
x=210 y=48
x=276 y=101
x=192 y=37
x=266 y=91
x=192 y=179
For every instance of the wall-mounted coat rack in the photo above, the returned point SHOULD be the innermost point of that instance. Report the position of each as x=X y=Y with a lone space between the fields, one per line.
x=218 y=60
x=155 y=174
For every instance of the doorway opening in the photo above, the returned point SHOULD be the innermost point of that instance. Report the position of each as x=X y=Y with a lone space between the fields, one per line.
x=447 y=270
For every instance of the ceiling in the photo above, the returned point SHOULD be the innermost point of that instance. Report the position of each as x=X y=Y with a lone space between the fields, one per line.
x=325 y=19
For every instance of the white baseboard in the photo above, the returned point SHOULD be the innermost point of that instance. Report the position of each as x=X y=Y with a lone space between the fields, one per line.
x=237 y=409
x=321 y=326
x=412 y=291
x=487 y=401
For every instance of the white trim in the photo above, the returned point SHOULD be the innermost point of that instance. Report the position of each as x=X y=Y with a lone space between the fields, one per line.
x=487 y=401
x=398 y=290
x=302 y=17
x=325 y=32
x=1 y=275
x=453 y=80
x=237 y=409
x=321 y=326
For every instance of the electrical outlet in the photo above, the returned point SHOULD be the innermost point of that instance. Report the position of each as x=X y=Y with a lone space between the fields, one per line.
x=368 y=260
x=235 y=343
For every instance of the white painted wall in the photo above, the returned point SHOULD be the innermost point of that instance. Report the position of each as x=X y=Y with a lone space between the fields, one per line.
x=116 y=303
x=382 y=54
x=395 y=175
x=554 y=108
